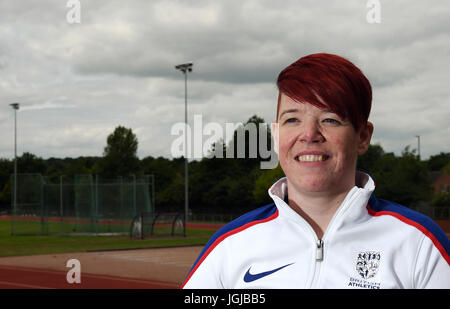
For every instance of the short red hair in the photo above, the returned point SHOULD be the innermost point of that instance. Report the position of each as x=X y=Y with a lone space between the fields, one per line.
x=328 y=81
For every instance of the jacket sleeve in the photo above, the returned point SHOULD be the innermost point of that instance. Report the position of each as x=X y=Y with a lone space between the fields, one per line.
x=432 y=269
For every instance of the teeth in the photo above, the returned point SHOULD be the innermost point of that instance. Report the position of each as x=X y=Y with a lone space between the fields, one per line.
x=310 y=158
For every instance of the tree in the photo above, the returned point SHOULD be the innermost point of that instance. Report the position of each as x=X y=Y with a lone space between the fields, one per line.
x=441 y=200
x=403 y=180
x=6 y=170
x=263 y=183
x=171 y=198
x=246 y=146
x=169 y=181
x=437 y=162
x=446 y=168
x=368 y=161
x=119 y=156
x=30 y=163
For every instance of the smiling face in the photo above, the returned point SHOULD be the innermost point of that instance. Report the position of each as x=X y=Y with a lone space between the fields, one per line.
x=317 y=149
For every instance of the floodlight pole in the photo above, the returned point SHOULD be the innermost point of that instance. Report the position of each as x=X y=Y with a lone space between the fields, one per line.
x=418 y=145
x=185 y=68
x=15 y=106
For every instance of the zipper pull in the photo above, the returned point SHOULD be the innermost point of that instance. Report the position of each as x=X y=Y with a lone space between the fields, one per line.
x=319 y=250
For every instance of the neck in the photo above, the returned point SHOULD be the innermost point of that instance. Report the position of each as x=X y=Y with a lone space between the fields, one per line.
x=316 y=208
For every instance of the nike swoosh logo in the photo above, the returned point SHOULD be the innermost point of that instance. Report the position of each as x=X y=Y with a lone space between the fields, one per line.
x=252 y=277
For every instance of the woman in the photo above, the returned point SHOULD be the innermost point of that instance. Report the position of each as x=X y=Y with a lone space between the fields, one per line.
x=325 y=228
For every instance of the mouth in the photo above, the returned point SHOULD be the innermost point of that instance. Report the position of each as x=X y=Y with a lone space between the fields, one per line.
x=311 y=157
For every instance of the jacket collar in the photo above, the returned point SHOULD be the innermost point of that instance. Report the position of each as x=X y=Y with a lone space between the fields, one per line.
x=357 y=197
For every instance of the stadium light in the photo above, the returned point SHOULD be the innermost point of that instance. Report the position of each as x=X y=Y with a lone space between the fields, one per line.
x=185 y=68
x=418 y=145
x=15 y=106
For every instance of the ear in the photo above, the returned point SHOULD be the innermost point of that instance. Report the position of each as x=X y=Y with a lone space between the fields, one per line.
x=275 y=131
x=365 y=135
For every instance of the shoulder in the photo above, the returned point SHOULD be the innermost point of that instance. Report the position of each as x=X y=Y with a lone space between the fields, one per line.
x=257 y=216
x=254 y=217
x=379 y=207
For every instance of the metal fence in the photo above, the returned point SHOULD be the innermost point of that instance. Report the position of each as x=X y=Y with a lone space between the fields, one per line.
x=83 y=204
x=158 y=224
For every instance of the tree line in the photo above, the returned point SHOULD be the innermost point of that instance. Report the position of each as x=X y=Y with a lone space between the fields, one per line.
x=227 y=185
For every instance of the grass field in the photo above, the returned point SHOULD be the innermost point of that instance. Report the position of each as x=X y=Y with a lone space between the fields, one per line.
x=30 y=245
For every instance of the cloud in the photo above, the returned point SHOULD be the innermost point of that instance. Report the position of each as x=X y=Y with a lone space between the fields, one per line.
x=52 y=104
x=77 y=82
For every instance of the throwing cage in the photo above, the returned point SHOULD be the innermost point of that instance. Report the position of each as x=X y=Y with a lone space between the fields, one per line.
x=157 y=224
x=84 y=204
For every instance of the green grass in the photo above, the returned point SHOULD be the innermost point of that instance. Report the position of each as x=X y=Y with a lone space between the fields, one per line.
x=30 y=245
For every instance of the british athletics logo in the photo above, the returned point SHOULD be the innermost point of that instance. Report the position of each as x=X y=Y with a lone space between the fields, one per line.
x=367 y=265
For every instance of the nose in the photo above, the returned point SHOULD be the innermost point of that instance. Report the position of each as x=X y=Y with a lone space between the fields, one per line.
x=310 y=133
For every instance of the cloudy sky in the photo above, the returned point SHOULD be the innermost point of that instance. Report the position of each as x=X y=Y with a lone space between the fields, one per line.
x=77 y=81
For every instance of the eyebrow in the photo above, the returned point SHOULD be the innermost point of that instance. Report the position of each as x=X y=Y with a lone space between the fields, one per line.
x=292 y=110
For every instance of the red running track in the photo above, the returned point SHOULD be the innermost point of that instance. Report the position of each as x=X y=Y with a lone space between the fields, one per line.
x=30 y=278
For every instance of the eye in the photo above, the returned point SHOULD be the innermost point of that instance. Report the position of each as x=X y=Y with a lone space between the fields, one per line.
x=332 y=121
x=291 y=120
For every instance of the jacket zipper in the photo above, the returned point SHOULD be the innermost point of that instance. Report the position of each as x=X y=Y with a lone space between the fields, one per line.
x=319 y=250
x=318 y=262
x=320 y=244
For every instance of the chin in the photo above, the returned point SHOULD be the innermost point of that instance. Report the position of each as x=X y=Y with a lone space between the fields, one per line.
x=312 y=184
x=315 y=189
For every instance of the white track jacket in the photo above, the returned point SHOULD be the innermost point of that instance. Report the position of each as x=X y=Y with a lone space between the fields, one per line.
x=370 y=243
